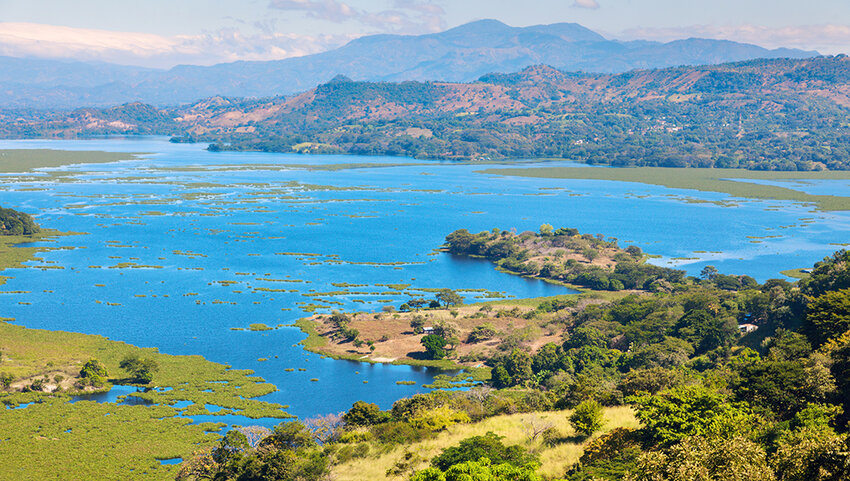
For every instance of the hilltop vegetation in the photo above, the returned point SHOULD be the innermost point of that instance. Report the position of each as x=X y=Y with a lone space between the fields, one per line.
x=777 y=114
x=16 y=223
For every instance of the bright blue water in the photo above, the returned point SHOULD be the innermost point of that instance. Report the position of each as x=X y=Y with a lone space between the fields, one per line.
x=243 y=210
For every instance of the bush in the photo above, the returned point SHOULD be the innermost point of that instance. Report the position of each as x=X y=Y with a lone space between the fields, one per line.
x=587 y=418
x=488 y=446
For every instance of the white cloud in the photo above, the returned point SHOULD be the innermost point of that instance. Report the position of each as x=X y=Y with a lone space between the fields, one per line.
x=330 y=10
x=826 y=39
x=132 y=48
x=590 y=4
x=405 y=16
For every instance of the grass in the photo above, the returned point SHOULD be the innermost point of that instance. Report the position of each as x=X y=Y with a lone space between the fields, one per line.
x=87 y=440
x=13 y=256
x=23 y=160
x=796 y=273
x=554 y=460
x=706 y=180
x=31 y=353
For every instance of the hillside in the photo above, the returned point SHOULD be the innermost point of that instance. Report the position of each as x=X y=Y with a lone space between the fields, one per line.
x=780 y=114
x=460 y=54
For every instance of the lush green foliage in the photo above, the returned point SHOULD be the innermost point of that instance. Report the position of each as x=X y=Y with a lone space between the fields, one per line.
x=587 y=418
x=13 y=222
x=487 y=446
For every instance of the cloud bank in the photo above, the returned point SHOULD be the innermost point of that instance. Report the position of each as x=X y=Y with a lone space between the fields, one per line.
x=149 y=50
x=826 y=39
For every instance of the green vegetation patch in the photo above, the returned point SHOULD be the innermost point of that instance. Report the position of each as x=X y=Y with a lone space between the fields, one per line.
x=706 y=180
x=87 y=440
x=23 y=160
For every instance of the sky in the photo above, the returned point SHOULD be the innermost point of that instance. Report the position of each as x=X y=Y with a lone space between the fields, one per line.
x=164 y=33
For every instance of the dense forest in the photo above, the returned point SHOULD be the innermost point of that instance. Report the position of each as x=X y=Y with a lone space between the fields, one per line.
x=774 y=114
x=729 y=380
x=13 y=222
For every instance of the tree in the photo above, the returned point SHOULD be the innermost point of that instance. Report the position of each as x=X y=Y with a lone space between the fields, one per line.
x=449 y=298
x=699 y=458
x=691 y=411
x=706 y=332
x=434 y=346
x=518 y=365
x=292 y=435
x=587 y=418
x=546 y=230
x=93 y=373
x=501 y=378
x=364 y=414
x=141 y=370
x=828 y=316
x=418 y=324
x=709 y=273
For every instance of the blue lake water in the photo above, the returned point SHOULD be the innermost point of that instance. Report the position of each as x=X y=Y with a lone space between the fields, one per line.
x=239 y=239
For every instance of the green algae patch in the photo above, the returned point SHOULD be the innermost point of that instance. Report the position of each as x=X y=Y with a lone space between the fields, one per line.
x=88 y=440
x=733 y=182
x=32 y=353
x=23 y=160
x=13 y=256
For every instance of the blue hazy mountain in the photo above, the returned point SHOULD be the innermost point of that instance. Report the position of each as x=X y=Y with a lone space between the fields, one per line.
x=461 y=54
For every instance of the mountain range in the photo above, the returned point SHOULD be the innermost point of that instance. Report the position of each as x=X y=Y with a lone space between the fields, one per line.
x=787 y=114
x=461 y=54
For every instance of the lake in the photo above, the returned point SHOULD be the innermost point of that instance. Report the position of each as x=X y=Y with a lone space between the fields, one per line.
x=186 y=245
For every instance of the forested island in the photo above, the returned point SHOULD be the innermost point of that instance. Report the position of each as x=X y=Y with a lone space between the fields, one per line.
x=770 y=114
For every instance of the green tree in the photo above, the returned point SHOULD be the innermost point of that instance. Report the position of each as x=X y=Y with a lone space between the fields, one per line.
x=434 y=346
x=691 y=411
x=141 y=370
x=487 y=446
x=709 y=273
x=704 y=459
x=292 y=435
x=587 y=418
x=518 y=364
x=501 y=378
x=449 y=298
x=828 y=316
x=417 y=323
x=93 y=373
x=365 y=414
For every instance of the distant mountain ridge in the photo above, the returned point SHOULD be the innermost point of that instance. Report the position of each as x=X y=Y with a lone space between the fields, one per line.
x=765 y=114
x=461 y=54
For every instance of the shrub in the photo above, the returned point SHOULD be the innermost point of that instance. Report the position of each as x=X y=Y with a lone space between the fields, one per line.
x=587 y=418
x=489 y=446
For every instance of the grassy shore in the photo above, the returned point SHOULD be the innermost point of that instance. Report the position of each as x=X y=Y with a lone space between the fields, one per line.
x=706 y=180
x=23 y=160
x=12 y=255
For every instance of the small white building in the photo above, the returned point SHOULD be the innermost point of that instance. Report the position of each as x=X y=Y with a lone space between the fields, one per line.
x=747 y=328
